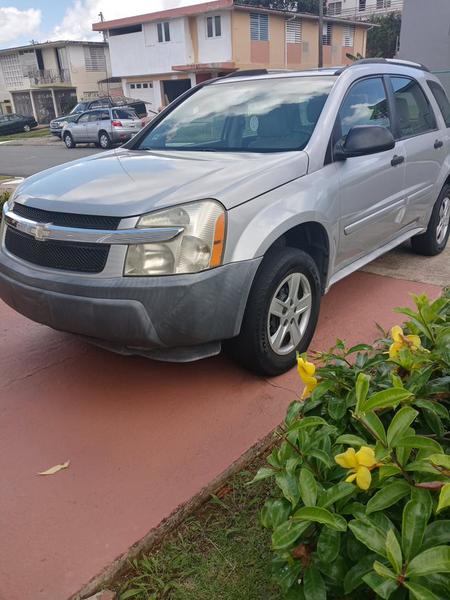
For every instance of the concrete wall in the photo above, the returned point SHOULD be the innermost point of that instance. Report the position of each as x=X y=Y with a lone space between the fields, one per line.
x=425 y=33
x=86 y=82
x=216 y=49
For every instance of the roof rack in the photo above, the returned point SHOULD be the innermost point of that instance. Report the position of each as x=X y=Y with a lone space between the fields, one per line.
x=391 y=61
x=246 y=73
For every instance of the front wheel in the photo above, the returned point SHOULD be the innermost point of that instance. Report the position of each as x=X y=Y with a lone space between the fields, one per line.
x=281 y=313
x=68 y=140
x=435 y=239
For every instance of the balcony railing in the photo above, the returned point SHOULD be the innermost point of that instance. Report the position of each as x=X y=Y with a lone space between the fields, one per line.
x=48 y=77
x=364 y=10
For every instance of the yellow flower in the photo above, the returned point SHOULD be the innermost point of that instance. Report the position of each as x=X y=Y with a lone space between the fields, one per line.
x=306 y=371
x=360 y=464
x=400 y=340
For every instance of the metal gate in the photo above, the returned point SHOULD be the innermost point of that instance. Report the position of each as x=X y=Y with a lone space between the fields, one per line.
x=22 y=103
x=43 y=103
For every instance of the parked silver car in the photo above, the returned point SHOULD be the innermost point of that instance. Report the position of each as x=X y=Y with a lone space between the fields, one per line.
x=103 y=127
x=233 y=211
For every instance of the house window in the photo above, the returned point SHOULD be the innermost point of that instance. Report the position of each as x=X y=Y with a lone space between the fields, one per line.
x=94 y=58
x=349 y=36
x=125 y=30
x=138 y=86
x=132 y=86
x=327 y=33
x=259 y=27
x=362 y=5
x=164 y=32
x=293 y=31
x=383 y=3
x=334 y=8
x=213 y=26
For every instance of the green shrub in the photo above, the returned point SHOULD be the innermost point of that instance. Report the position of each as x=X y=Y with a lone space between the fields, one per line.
x=363 y=469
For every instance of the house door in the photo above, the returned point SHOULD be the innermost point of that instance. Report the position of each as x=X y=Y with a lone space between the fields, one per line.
x=174 y=88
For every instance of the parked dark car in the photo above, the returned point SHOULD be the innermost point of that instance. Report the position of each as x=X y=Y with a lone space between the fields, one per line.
x=16 y=124
x=139 y=107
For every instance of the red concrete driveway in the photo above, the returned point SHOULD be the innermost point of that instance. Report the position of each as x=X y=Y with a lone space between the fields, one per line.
x=142 y=437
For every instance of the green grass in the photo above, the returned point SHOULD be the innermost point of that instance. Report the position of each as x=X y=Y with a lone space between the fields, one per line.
x=35 y=133
x=219 y=553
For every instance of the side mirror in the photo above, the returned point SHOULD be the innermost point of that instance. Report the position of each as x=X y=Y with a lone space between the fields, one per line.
x=362 y=140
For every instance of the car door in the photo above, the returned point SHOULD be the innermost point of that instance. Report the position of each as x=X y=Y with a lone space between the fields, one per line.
x=426 y=147
x=371 y=188
x=78 y=129
x=92 y=125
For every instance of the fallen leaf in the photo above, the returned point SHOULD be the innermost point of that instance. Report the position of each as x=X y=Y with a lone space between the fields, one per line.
x=55 y=469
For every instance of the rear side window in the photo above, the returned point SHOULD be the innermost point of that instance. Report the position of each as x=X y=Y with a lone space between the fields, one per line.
x=365 y=104
x=414 y=112
x=442 y=100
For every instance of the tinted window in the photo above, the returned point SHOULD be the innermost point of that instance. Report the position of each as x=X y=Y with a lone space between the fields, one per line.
x=414 y=112
x=84 y=118
x=120 y=113
x=104 y=115
x=263 y=115
x=365 y=104
x=442 y=100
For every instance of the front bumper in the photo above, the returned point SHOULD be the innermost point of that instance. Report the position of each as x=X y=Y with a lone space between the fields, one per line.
x=135 y=315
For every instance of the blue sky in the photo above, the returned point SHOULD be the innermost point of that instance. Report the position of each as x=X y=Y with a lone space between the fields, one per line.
x=24 y=20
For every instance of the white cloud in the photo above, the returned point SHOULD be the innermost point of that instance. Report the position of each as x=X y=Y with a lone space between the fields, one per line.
x=78 y=19
x=16 y=23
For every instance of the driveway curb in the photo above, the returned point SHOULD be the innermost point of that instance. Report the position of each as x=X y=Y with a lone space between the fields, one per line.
x=156 y=535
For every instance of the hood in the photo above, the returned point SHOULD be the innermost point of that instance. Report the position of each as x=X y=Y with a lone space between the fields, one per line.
x=67 y=119
x=126 y=183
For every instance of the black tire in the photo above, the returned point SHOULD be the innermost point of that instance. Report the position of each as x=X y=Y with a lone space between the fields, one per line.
x=431 y=243
x=68 y=140
x=252 y=348
x=104 y=140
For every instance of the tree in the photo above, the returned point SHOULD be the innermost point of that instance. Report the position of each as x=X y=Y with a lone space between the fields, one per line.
x=382 y=41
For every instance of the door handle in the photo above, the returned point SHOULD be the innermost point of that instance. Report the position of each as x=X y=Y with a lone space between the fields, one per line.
x=397 y=160
x=438 y=144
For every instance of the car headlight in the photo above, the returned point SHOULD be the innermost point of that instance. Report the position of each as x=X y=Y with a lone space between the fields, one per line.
x=198 y=247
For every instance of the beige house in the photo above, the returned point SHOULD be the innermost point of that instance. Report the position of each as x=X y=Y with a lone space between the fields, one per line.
x=46 y=79
x=159 y=55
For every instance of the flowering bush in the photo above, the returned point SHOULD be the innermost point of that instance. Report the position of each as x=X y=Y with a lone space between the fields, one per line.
x=363 y=469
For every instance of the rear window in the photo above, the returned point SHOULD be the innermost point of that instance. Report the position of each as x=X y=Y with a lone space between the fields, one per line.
x=442 y=100
x=120 y=113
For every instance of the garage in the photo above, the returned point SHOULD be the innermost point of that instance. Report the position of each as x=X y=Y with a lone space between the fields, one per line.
x=142 y=90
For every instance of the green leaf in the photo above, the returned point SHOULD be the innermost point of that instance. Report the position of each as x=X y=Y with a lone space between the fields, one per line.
x=399 y=424
x=359 y=348
x=441 y=460
x=292 y=412
x=336 y=408
x=361 y=390
x=328 y=545
x=313 y=585
x=414 y=522
x=320 y=455
x=417 y=441
x=384 y=588
x=263 y=473
x=321 y=390
x=337 y=492
x=420 y=592
x=287 y=533
x=353 y=578
x=373 y=424
x=436 y=534
x=383 y=571
x=433 y=560
x=308 y=487
x=388 y=471
x=444 y=498
x=388 y=495
x=389 y=398
x=320 y=515
x=351 y=440
x=307 y=422
x=274 y=512
x=289 y=486
x=369 y=535
x=393 y=552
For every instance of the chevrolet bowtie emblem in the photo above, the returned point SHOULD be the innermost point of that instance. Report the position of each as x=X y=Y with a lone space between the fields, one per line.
x=40 y=232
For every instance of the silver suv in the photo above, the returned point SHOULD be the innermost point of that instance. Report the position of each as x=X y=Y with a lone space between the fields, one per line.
x=103 y=127
x=232 y=212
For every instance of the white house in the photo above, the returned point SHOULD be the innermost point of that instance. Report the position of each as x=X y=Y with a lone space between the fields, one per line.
x=362 y=9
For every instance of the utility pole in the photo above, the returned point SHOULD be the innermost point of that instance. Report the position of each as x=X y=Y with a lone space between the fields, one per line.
x=320 y=34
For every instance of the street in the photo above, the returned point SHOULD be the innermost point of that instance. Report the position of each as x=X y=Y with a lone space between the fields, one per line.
x=25 y=160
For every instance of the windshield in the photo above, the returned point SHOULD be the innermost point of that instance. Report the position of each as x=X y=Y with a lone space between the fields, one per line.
x=264 y=115
x=79 y=108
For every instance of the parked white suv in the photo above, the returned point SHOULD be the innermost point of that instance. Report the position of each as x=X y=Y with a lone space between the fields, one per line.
x=232 y=212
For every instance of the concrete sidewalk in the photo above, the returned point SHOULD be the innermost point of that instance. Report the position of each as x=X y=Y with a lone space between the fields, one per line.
x=142 y=437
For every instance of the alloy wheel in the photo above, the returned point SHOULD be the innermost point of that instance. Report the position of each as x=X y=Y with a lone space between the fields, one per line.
x=444 y=220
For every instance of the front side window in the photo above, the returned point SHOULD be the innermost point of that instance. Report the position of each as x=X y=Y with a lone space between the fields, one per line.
x=365 y=104
x=259 y=27
x=414 y=112
x=442 y=100
x=84 y=118
x=263 y=115
x=213 y=26
x=163 y=31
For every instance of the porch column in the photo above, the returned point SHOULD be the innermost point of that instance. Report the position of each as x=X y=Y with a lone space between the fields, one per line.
x=35 y=115
x=55 y=106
